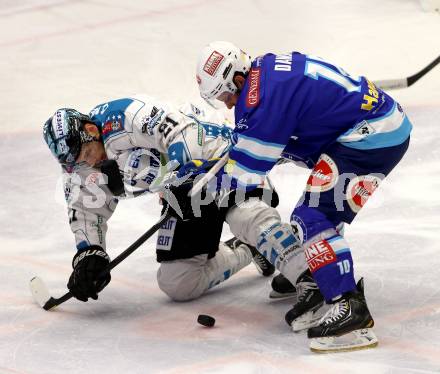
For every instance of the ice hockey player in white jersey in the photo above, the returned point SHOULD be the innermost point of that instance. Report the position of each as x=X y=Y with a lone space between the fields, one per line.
x=116 y=152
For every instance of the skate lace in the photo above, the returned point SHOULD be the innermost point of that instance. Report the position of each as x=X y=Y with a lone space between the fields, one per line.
x=336 y=312
x=304 y=288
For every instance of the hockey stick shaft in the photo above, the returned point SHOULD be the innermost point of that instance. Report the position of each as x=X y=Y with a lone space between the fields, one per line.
x=392 y=84
x=53 y=302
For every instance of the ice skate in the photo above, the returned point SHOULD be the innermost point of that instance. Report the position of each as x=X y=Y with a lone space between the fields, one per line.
x=346 y=326
x=282 y=288
x=306 y=312
x=261 y=263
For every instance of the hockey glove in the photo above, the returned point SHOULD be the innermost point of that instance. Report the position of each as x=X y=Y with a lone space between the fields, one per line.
x=177 y=196
x=114 y=179
x=86 y=279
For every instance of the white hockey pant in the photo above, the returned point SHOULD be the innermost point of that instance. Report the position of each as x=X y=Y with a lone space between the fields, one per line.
x=188 y=279
x=256 y=223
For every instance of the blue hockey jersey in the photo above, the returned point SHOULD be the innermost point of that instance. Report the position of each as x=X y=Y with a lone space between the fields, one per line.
x=295 y=106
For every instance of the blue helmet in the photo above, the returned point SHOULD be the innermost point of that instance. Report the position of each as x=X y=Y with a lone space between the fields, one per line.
x=63 y=133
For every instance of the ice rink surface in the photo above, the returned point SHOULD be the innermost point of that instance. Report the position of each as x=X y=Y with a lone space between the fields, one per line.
x=80 y=53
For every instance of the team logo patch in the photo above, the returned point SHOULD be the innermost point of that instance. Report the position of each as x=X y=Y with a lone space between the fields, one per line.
x=365 y=129
x=253 y=95
x=324 y=175
x=213 y=62
x=148 y=123
x=360 y=189
x=112 y=125
x=319 y=254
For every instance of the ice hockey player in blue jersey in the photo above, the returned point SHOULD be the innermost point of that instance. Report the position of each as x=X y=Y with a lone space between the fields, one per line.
x=350 y=134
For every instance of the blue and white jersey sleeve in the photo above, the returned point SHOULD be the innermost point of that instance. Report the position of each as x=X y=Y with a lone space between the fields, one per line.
x=206 y=137
x=90 y=204
x=138 y=122
x=251 y=158
x=261 y=133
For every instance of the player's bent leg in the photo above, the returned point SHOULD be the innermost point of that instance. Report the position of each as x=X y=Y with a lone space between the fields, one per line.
x=256 y=223
x=180 y=279
x=188 y=279
x=282 y=248
x=263 y=266
x=250 y=218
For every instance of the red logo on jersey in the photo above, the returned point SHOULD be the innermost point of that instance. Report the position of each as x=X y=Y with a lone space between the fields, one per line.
x=319 y=254
x=324 y=175
x=253 y=95
x=360 y=189
x=111 y=126
x=213 y=62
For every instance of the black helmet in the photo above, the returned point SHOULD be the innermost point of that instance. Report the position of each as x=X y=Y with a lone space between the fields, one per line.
x=64 y=134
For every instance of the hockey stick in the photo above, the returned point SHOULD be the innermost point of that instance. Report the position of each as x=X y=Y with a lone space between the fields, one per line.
x=393 y=84
x=41 y=294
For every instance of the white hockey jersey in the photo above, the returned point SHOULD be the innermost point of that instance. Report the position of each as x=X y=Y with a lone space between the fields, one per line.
x=137 y=133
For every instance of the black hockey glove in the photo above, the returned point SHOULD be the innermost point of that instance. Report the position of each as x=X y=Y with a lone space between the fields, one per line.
x=86 y=279
x=179 y=202
x=114 y=179
x=181 y=205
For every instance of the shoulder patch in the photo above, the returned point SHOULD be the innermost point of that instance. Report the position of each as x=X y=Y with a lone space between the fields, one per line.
x=114 y=123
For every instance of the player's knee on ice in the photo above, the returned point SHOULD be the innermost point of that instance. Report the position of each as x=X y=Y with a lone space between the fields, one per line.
x=182 y=280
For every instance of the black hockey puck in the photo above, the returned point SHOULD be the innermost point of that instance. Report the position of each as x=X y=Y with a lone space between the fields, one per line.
x=206 y=320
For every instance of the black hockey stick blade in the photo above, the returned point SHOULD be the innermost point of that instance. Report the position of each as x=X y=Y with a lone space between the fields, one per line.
x=393 y=84
x=41 y=294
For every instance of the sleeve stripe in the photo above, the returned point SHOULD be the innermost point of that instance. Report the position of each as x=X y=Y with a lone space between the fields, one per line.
x=258 y=150
x=240 y=169
x=253 y=155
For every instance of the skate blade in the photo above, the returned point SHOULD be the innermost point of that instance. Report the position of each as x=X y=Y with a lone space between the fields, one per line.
x=280 y=296
x=355 y=340
x=308 y=319
x=39 y=291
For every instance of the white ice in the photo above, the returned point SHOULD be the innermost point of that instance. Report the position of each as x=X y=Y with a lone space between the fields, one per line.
x=80 y=53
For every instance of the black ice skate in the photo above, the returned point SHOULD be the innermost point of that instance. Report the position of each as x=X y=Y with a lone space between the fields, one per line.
x=262 y=265
x=346 y=326
x=305 y=313
x=282 y=288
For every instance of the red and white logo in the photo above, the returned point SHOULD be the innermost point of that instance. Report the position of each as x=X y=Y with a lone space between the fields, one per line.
x=324 y=175
x=319 y=254
x=360 y=189
x=213 y=62
x=253 y=95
